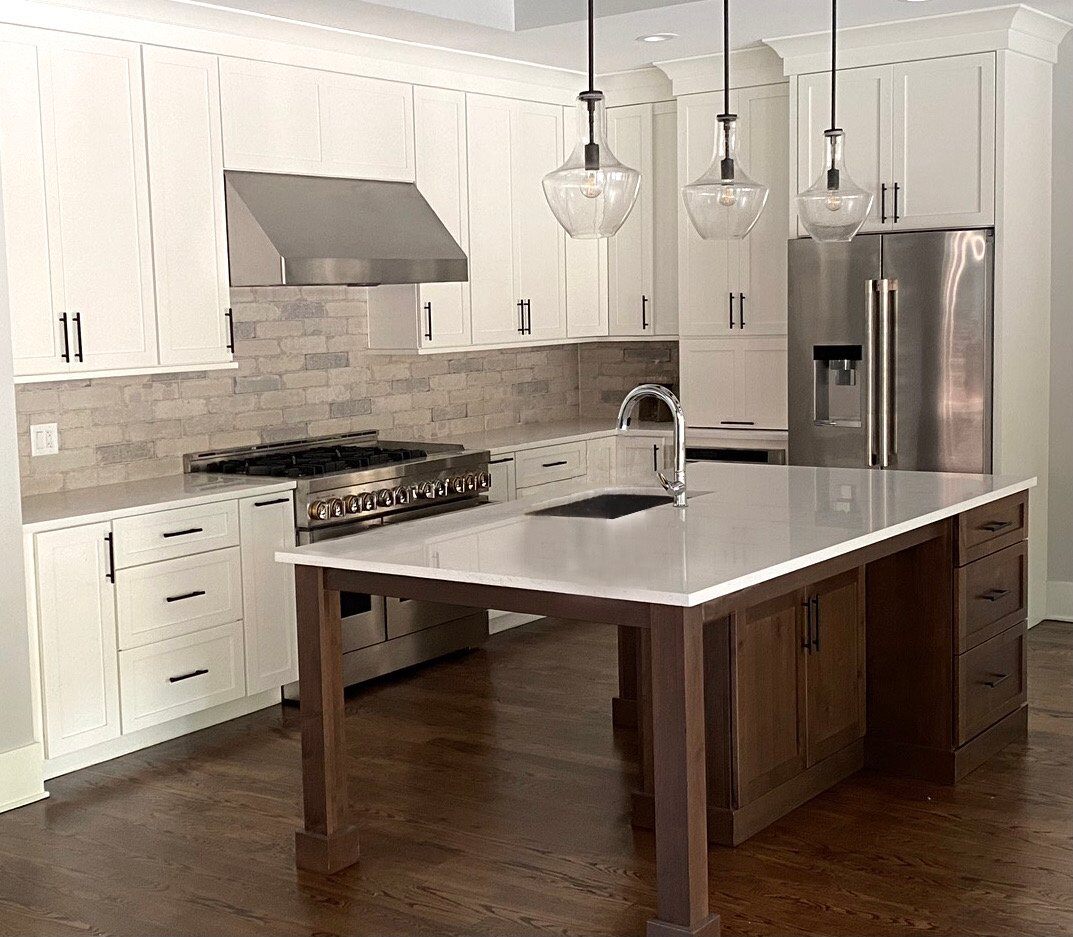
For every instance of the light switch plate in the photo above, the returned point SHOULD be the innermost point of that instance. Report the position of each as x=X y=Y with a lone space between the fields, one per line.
x=44 y=439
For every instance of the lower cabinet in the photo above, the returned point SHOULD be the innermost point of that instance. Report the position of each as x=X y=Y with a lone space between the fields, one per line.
x=639 y=458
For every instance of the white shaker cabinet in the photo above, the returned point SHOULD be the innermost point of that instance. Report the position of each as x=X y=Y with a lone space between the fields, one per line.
x=283 y=118
x=77 y=629
x=186 y=196
x=734 y=383
x=266 y=524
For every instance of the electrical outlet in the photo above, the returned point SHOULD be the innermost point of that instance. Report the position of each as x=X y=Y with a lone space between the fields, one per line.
x=44 y=439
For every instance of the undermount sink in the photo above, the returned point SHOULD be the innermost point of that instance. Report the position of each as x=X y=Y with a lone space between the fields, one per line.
x=608 y=507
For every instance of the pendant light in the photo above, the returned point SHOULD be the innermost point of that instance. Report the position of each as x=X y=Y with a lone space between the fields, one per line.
x=725 y=203
x=592 y=192
x=834 y=208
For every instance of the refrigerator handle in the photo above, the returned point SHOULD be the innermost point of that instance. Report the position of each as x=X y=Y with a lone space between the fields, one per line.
x=870 y=288
x=886 y=396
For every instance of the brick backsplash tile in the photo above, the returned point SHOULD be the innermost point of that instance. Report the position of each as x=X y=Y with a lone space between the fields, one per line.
x=304 y=369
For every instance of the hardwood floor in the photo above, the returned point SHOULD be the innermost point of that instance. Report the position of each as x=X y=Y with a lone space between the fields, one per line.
x=492 y=798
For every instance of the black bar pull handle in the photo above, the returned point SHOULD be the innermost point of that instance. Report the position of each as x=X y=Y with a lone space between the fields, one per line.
x=66 y=353
x=815 y=623
x=655 y=457
x=200 y=672
x=428 y=312
x=993 y=595
x=109 y=572
x=76 y=318
x=644 y=313
x=896 y=188
x=521 y=316
x=996 y=679
x=230 y=317
x=182 y=533
x=529 y=317
x=554 y=464
x=264 y=504
x=883 y=203
x=807 y=606
x=737 y=423
x=509 y=458
x=741 y=310
x=995 y=526
x=184 y=596
x=731 y=310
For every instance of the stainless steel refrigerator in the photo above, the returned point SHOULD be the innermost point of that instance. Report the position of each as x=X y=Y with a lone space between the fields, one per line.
x=890 y=351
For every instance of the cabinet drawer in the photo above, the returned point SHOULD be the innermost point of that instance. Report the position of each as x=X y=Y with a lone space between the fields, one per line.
x=991 y=682
x=164 y=535
x=550 y=464
x=175 y=678
x=992 y=527
x=991 y=595
x=176 y=597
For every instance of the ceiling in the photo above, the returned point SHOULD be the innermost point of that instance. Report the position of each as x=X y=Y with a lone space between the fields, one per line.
x=550 y=32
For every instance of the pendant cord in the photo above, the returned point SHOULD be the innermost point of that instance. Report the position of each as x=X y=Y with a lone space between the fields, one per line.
x=592 y=67
x=726 y=56
x=834 y=59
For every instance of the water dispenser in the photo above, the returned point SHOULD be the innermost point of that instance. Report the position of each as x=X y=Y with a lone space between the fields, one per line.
x=837 y=385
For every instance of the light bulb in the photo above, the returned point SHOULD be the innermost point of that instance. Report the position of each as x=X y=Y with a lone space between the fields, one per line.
x=833 y=202
x=726 y=197
x=592 y=185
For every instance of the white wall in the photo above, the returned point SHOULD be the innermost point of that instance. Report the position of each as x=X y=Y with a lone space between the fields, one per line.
x=1060 y=522
x=20 y=754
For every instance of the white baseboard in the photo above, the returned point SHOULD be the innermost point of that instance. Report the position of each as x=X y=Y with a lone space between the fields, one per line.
x=1060 y=600
x=21 y=776
x=504 y=621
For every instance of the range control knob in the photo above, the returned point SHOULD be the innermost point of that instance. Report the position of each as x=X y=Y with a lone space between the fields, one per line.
x=336 y=508
x=402 y=495
x=471 y=482
x=441 y=487
x=368 y=501
x=484 y=481
x=352 y=503
x=385 y=497
x=458 y=485
x=318 y=510
x=426 y=490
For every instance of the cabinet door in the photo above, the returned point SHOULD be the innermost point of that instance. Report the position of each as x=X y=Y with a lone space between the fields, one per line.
x=768 y=693
x=98 y=197
x=709 y=375
x=639 y=458
x=629 y=253
x=864 y=112
x=440 y=154
x=944 y=141
x=494 y=304
x=705 y=282
x=37 y=338
x=600 y=460
x=76 y=618
x=186 y=196
x=539 y=248
x=271 y=117
x=763 y=115
x=666 y=200
x=366 y=127
x=266 y=524
x=835 y=666
x=762 y=388
x=502 y=469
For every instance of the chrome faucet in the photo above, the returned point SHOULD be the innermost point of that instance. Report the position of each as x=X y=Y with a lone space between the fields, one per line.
x=678 y=486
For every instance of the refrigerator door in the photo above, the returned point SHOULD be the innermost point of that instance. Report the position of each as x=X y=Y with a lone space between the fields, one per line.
x=941 y=349
x=829 y=367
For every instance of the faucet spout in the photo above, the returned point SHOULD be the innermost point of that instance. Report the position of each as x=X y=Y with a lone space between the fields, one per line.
x=677 y=487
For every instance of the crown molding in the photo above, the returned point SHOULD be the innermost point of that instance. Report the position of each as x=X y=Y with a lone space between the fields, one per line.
x=757 y=65
x=189 y=24
x=645 y=85
x=1015 y=27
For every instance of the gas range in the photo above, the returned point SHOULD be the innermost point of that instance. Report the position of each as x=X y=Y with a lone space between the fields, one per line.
x=357 y=477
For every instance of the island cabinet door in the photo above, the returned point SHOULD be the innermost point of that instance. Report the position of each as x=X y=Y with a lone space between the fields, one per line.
x=768 y=684
x=834 y=628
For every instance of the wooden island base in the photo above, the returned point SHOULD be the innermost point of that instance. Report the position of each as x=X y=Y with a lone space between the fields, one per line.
x=753 y=702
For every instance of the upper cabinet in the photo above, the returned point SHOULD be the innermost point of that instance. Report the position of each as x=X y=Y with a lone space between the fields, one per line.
x=643 y=255
x=736 y=287
x=919 y=135
x=517 y=254
x=282 y=118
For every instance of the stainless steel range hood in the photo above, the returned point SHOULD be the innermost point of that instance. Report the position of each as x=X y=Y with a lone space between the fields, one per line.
x=315 y=231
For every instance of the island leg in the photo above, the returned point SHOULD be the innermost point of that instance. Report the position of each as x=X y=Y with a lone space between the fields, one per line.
x=677 y=660
x=329 y=841
x=624 y=706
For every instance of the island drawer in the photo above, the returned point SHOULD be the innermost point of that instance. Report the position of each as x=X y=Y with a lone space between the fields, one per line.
x=169 y=679
x=550 y=464
x=992 y=594
x=164 y=535
x=164 y=600
x=991 y=682
x=992 y=527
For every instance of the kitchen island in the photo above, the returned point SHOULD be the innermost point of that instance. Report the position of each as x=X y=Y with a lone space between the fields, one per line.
x=916 y=580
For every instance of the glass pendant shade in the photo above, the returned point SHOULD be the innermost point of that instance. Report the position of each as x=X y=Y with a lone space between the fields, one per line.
x=834 y=208
x=592 y=193
x=725 y=203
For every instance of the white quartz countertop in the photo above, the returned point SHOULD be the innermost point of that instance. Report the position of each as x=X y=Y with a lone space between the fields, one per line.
x=745 y=524
x=90 y=505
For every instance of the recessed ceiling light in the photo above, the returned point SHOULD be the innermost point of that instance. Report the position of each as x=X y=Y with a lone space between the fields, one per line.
x=657 y=37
